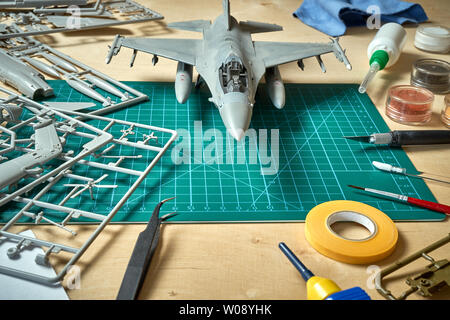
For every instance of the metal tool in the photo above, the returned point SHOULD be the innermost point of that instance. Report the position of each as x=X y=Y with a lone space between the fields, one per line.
x=418 y=202
x=406 y=137
x=141 y=257
x=432 y=279
x=390 y=168
x=321 y=288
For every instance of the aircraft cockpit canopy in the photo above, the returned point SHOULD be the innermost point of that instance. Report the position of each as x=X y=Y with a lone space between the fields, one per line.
x=233 y=75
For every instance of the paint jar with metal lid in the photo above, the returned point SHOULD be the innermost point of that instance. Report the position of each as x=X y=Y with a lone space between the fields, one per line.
x=409 y=104
x=432 y=74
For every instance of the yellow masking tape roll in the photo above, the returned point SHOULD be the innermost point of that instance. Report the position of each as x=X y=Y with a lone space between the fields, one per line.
x=380 y=244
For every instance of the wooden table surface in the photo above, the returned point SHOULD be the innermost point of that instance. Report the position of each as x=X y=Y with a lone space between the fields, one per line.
x=242 y=261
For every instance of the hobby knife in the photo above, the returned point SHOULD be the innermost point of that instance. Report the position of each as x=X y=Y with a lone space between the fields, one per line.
x=406 y=137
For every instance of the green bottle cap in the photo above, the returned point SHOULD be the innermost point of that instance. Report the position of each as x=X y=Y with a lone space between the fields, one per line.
x=381 y=57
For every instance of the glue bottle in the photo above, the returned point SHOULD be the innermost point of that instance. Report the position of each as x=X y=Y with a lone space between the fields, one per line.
x=384 y=50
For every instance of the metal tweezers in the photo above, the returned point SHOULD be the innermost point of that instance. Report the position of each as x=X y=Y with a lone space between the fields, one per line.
x=141 y=257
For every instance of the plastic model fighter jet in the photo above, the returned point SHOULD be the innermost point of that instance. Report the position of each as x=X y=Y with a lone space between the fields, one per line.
x=229 y=62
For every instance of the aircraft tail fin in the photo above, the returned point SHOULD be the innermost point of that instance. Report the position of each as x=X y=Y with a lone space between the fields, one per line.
x=226 y=12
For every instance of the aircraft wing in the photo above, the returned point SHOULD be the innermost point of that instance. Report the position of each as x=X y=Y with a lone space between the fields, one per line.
x=184 y=50
x=275 y=53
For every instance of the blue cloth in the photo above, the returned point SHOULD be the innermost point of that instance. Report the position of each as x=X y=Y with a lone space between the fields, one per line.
x=334 y=16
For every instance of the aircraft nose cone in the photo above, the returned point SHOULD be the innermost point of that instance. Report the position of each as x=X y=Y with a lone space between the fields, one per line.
x=236 y=114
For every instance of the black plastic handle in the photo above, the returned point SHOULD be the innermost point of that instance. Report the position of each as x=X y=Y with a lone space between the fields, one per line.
x=420 y=137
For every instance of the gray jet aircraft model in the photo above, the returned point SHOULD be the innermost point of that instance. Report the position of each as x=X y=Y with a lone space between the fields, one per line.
x=229 y=62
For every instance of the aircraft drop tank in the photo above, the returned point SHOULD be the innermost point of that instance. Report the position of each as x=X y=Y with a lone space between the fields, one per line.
x=183 y=82
x=275 y=87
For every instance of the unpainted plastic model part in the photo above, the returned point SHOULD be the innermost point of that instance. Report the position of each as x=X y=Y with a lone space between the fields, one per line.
x=23 y=59
x=229 y=62
x=23 y=77
x=57 y=150
x=9 y=112
x=47 y=147
x=38 y=3
x=65 y=16
x=435 y=277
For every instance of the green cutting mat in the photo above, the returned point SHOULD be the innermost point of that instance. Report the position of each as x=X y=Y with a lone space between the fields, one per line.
x=315 y=163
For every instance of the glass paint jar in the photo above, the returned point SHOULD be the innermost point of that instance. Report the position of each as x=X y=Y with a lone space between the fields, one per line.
x=445 y=115
x=409 y=104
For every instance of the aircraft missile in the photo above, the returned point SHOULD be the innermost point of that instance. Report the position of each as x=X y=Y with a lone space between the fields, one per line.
x=114 y=48
x=59 y=62
x=155 y=59
x=340 y=54
x=23 y=77
x=133 y=57
x=84 y=88
x=236 y=113
x=275 y=87
x=41 y=66
x=183 y=82
x=102 y=84
x=321 y=64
